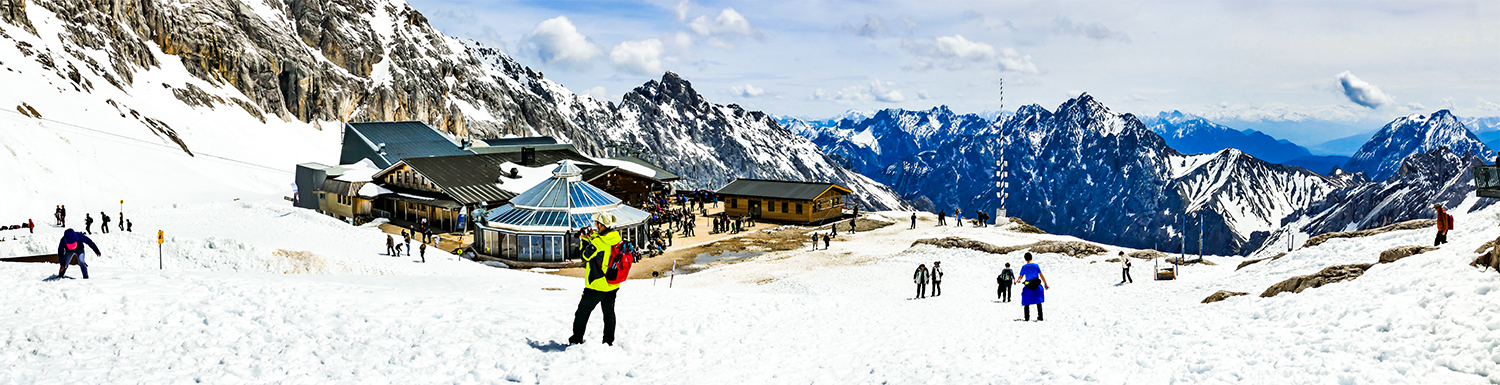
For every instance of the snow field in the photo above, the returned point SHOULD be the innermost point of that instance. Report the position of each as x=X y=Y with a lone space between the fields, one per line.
x=840 y=316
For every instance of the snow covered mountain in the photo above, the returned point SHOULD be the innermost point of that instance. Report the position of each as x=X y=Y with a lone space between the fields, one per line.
x=236 y=79
x=1381 y=157
x=1191 y=134
x=1089 y=172
x=870 y=145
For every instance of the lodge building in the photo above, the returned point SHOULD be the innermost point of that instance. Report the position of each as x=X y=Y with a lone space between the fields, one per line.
x=784 y=201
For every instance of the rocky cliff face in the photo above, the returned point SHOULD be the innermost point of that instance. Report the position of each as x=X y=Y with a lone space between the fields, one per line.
x=305 y=61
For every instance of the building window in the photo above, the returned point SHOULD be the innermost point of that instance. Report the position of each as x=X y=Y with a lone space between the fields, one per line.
x=783 y=207
x=734 y=203
x=799 y=208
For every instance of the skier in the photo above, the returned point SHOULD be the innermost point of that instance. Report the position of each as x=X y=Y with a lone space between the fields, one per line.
x=104 y=227
x=1125 y=263
x=943 y=218
x=921 y=279
x=597 y=290
x=88 y=223
x=1035 y=291
x=913 y=221
x=937 y=278
x=423 y=252
x=1444 y=223
x=69 y=250
x=390 y=245
x=1006 y=279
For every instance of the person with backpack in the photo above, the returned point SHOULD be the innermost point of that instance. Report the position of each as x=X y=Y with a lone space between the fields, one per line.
x=1125 y=263
x=70 y=248
x=1034 y=292
x=937 y=278
x=921 y=279
x=1444 y=223
x=815 y=241
x=598 y=248
x=1006 y=279
x=129 y=227
x=88 y=223
x=104 y=227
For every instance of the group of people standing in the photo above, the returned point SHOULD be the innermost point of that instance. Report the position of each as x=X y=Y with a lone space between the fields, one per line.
x=122 y=224
x=923 y=277
x=1033 y=283
x=980 y=217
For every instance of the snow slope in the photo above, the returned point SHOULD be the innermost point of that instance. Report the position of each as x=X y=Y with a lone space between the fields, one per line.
x=839 y=316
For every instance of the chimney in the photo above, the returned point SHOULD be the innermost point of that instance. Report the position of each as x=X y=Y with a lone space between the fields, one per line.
x=528 y=156
x=381 y=150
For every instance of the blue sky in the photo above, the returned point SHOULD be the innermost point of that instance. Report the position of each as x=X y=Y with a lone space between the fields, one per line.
x=1359 y=64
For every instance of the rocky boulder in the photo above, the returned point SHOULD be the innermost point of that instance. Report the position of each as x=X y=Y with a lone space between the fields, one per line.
x=1331 y=274
x=1396 y=253
x=1408 y=225
x=1223 y=295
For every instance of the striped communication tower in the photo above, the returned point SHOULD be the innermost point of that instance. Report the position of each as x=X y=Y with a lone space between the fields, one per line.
x=1000 y=172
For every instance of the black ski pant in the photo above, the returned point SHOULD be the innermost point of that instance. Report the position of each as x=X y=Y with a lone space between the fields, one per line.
x=1442 y=237
x=922 y=290
x=104 y=228
x=1026 y=312
x=937 y=288
x=1004 y=292
x=1126 y=276
x=586 y=305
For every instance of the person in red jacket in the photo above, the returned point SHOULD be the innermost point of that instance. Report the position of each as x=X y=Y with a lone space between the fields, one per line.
x=1444 y=223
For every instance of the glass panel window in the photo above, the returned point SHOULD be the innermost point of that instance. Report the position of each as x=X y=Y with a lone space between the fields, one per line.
x=783 y=207
x=734 y=203
x=799 y=208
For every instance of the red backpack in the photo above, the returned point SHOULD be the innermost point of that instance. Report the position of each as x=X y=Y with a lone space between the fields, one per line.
x=620 y=259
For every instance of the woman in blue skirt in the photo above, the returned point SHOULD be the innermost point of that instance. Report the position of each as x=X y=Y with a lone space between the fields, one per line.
x=1035 y=291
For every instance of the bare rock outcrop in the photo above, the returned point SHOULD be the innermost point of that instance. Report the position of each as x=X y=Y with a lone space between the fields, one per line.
x=1146 y=254
x=1074 y=249
x=1331 y=274
x=1488 y=258
x=1223 y=295
x=1408 y=225
x=1398 y=252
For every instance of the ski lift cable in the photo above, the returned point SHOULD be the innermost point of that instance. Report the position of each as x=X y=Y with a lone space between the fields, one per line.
x=161 y=145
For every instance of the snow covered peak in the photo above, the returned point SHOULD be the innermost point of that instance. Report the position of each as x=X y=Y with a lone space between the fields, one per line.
x=1382 y=155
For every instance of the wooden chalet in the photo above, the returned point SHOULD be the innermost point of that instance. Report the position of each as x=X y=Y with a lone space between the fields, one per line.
x=784 y=201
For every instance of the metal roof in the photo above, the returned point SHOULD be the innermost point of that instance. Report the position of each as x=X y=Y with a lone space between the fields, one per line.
x=403 y=140
x=527 y=141
x=762 y=188
x=661 y=173
x=562 y=202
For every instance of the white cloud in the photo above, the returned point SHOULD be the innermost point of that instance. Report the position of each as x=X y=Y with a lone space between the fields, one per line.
x=641 y=57
x=597 y=93
x=873 y=26
x=876 y=91
x=922 y=95
x=1414 y=106
x=1362 y=93
x=729 y=22
x=681 y=41
x=682 y=10
x=1487 y=105
x=1094 y=31
x=749 y=91
x=557 y=42
x=956 y=53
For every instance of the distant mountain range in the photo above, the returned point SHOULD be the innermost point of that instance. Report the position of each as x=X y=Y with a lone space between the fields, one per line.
x=1194 y=135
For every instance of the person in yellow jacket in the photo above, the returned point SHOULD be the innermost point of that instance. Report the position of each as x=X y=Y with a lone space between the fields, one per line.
x=598 y=246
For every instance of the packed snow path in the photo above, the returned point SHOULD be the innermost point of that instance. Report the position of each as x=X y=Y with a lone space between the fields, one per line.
x=844 y=315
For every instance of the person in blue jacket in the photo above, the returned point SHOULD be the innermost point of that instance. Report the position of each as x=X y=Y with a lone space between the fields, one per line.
x=70 y=247
x=1035 y=291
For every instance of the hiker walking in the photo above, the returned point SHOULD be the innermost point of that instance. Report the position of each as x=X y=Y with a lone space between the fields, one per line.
x=70 y=248
x=937 y=278
x=129 y=227
x=104 y=220
x=1034 y=292
x=88 y=223
x=851 y=226
x=390 y=245
x=121 y=222
x=943 y=218
x=423 y=253
x=1006 y=279
x=921 y=279
x=1125 y=264
x=913 y=221
x=1444 y=223
x=597 y=246
x=63 y=212
x=815 y=241
x=826 y=239
x=958 y=217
